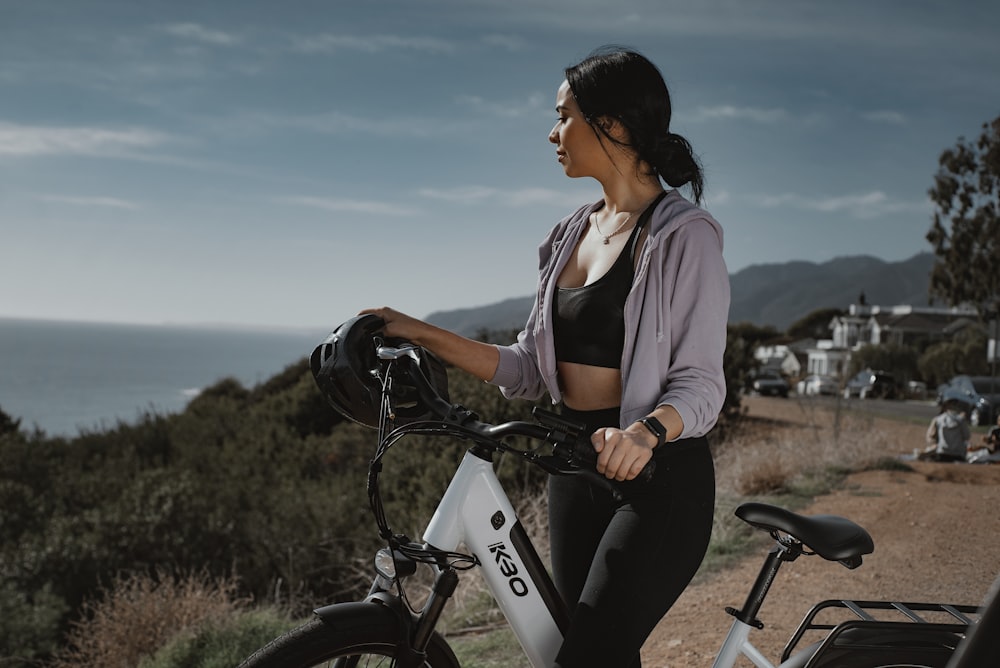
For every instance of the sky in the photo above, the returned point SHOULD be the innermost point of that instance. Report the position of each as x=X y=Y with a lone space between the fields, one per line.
x=287 y=164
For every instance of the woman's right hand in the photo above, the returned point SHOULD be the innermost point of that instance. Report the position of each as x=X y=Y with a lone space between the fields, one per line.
x=479 y=359
x=398 y=324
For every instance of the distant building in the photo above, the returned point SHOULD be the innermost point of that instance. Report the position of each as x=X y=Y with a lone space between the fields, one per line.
x=826 y=359
x=785 y=358
x=864 y=324
x=900 y=325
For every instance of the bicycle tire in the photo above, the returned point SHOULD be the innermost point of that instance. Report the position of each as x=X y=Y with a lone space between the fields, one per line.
x=363 y=645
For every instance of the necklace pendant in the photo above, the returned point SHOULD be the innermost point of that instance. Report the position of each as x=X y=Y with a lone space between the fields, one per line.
x=607 y=240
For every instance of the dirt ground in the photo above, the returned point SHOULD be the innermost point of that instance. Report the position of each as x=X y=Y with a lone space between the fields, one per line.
x=937 y=539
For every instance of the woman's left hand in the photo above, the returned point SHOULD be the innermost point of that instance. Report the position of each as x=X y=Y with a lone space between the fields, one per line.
x=622 y=454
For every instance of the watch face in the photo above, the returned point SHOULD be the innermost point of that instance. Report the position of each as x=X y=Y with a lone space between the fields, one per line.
x=653 y=425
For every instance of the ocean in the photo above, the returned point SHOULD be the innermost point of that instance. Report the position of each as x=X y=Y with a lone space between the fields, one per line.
x=64 y=377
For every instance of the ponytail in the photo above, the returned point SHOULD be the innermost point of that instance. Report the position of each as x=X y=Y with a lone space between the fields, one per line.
x=674 y=161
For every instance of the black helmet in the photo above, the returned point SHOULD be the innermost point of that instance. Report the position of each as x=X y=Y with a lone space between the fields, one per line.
x=349 y=373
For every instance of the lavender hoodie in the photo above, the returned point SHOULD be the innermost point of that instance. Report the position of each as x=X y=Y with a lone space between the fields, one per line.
x=675 y=319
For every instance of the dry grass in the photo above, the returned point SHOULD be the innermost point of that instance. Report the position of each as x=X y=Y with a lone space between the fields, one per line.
x=138 y=614
x=766 y=457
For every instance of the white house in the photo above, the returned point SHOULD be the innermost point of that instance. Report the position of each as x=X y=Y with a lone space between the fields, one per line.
x=877 y=325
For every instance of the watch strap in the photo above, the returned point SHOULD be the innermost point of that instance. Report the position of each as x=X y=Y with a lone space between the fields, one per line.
x=656 y=428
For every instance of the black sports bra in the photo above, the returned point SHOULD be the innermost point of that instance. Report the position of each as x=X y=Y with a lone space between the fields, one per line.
x=588 y=323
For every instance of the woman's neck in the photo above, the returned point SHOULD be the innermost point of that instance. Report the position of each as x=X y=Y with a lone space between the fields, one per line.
x=631 y=196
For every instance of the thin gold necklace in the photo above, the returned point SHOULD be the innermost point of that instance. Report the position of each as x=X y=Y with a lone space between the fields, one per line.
x=606 y=238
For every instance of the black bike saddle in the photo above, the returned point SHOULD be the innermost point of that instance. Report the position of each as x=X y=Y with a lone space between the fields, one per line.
x=830 y=536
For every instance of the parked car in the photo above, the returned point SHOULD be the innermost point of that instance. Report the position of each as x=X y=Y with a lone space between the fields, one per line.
x=916 y=389
x=982 y=394
x=770 y=383
x=870 y=384
x=818 y=384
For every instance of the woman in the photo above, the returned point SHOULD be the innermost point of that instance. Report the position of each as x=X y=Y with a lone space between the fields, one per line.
x=627 y=333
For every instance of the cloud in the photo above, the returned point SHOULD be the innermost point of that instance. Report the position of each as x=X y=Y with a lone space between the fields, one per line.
x=463 y=195
x=34 y=140
x=334 y=123
x=106 y=202
x=885 y=116
x=864 y=205
x=511 y=43
x=327 y=43
x=718 y=198
x=198 y=33
x=731 y=112
x=516 y=197
x=534 y=105
x=335 y=204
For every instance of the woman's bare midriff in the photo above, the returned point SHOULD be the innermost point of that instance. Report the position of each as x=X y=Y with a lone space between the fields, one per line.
x=588 y=388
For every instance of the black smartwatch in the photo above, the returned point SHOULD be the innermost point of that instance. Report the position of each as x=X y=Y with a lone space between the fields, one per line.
x=656 y=428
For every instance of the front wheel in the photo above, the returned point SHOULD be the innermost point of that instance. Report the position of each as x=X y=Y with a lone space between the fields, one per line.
x=318 y=644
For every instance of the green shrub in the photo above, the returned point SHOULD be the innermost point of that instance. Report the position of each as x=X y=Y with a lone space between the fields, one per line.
x=223 y=644
x=29 y=623
x=140 y=613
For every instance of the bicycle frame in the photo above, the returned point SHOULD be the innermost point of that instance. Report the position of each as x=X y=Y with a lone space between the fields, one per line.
x=738 y=643
x=475 y=511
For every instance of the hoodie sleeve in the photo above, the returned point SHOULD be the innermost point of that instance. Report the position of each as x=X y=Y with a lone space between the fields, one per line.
x=517 y=374
x=698 y=313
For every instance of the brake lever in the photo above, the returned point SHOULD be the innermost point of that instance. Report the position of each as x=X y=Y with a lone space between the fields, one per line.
x=556 y=465
x=581 y=449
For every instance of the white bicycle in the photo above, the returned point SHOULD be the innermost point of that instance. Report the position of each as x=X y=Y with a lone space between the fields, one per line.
x=475 y=512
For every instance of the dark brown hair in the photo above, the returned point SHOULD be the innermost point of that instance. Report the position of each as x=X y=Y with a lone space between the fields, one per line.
x=624 y=85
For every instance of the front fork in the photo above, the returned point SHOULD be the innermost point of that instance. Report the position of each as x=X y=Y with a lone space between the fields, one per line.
x=416 y=630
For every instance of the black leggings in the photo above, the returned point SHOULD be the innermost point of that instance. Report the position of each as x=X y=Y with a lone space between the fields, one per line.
x=619 y=566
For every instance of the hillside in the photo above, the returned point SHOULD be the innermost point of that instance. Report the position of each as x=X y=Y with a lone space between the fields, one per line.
x=765 y=294
x=780 y=294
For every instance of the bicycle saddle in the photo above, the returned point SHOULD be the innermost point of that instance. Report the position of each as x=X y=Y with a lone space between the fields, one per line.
x=832 y=537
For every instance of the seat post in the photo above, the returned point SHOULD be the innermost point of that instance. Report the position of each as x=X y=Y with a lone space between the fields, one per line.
x=778 y=554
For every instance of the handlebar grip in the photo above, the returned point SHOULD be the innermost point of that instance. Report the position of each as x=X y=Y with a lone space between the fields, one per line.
x=583 y=450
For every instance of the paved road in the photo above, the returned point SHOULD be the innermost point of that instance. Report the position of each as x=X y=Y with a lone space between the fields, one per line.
x=918 y=411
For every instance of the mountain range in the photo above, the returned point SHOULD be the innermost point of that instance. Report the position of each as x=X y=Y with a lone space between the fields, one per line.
x=775 y=294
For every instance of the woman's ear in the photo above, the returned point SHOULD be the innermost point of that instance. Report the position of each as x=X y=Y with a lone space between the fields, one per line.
x=613 y=128
x=606 y=123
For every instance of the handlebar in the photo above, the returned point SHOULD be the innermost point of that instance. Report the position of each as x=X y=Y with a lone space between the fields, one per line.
x=572 y=450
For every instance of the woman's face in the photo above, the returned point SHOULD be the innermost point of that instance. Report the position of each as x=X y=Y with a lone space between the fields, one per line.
x=578 y=148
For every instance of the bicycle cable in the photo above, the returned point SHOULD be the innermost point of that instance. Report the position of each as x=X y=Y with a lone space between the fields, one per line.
x=386 y=439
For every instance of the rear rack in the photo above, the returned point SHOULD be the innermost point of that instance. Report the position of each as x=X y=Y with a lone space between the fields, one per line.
x=930 y=618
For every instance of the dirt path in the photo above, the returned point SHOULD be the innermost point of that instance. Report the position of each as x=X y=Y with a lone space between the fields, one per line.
x=937 y=538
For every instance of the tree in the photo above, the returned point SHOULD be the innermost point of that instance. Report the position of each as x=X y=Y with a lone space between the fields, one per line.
x=8 y=425
x=738 y=361
x=966 y=195
x=815 y=325
x=961 y=355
